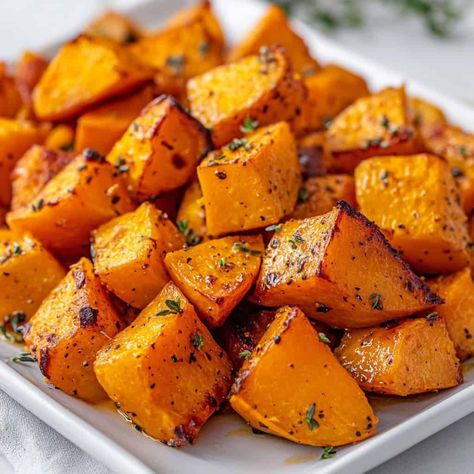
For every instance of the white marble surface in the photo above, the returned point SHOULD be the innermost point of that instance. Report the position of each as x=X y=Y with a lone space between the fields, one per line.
x=400 y=43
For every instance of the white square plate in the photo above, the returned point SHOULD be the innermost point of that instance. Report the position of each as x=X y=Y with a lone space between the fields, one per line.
x=226 y=444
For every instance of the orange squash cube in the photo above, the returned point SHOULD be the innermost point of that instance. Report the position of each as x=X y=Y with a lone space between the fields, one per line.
x=61 y=137
x=261 y=89
x=68 y=329
x=340 y=270
x=216 y=274
x=414 y=356
x=28 y=71
x=129 y=252
x=313 y=401
x=266 y=163
x=416 y=203
x=192 y=213
x=165 y=371
x=10 y=98
x=372 y=126
x=161 y=149
x=427 y=118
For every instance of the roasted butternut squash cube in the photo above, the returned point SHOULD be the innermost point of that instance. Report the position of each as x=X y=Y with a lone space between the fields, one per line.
x=414 y=200
x=265 y=162
x=372 y=126
x=28 y=272
x=114 y=26
x=28 y=71
x=165 y=371
x=232 y=98
x=16 y=136
x=274 y=28
x=457 y=291
x=85 y=71
x=457 y=148
x=61 y=137
x=101 y=127
x=82 y=196
x=33 y=170
x=217 y=274
x=414 y=356
x=320 y=194
x=340 y=270
x=313 y=154
x=427 y=118
x=192 y=213
x=328 y=407
x=70 y=326
x=129 y=252
x=10 y=98
x=161 y=149
x=330 y=91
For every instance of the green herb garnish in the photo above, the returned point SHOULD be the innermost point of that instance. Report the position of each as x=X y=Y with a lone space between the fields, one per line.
x=245 y=354
x=198 y=341
x=174 y=307
x=303 y=195
x=191 y=237
x=236 y=143
x=328 y=452
x=244 y=248
x=376 y=300
x=323 y=338
x=23 y=357
x=309 y=418
x=249 y=125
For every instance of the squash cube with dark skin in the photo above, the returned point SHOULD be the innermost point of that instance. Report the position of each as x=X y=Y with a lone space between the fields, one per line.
x=259 y=89
x=70 y=326
x=339 y=269
x=165 y=371
x=415 y=201
x=406 y=358
x=293 y=386
x=161 y=148
x=28 y=272
x=129 y=252
x=253 y=182
x=376 y=125
x=82 y=196
x=216 y=274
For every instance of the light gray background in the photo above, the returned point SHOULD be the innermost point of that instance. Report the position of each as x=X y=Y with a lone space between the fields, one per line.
x=398 y=42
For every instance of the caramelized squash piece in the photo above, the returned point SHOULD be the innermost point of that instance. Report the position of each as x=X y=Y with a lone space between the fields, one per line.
x=340 y=270
x=84 y=72
x=372 y=126
x=330 y=91
x=101 y=127
x=313 y=154
x=217 y=274
x=28 y=273
x=415 y=201
x=16 y=136
x=28 y=71
x=266 y=164
x=457 y=291
x=33 y=171
x=161 y=149
x=129 y=252
x=414 y=356
x=114 y=26
x=321 y=193
x=165 y=371
x=10 y=98
x=314 y=400
x=260 y=89
x=68 y=329
x=82 y=196
x=61 y=137
x=192 y=213
x=427 y=118
x=274 y=28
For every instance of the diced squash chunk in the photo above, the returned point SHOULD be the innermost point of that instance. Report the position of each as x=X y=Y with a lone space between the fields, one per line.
x=217 y=274
x=330 y=91
x=321 y=193
x=61 y=137
x=313 y=401
x=340 y=270
x=33 y=170
x=192 y=213
x=129 y=252
x=82 y=196
x=68 y=329
x=260 y=88
x=415 y=356
x=28 y=273
x=16 y=136
x=457 y=291
x=84 y=72
x=101 y=127
x=114 y=26
x=161 y=149
x=165 y=371
x=414 y=200
x=313 y=154
x=372 y=126
x=457 y=147
x=28 y=71
x=274 y=28
x=253 y=182
x=427 y=118
x=10 y=99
